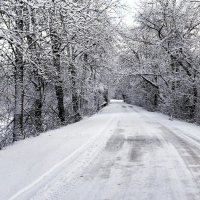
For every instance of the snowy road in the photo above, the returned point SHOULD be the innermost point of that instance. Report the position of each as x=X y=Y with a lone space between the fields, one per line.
x=122 y=153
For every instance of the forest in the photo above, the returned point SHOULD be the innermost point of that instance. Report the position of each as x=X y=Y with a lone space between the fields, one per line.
x=62 y=60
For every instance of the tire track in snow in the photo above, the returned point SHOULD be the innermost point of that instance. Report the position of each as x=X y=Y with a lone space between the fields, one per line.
x=188 y=148
x=61 y=163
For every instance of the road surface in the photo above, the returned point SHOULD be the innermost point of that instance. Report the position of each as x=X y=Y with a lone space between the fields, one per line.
x=133 y=155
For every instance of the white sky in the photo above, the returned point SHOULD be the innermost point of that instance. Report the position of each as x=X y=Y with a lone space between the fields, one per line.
x=132 y=4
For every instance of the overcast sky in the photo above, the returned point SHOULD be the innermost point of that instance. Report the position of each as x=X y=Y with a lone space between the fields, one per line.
x=132 y=4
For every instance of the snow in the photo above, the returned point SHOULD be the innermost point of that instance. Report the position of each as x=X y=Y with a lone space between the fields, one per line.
x=116 y=101
x=123 y=152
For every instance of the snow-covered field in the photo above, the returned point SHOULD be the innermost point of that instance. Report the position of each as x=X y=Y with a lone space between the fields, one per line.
x=121 y=153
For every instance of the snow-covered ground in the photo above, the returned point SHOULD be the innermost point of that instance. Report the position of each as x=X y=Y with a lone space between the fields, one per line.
x=121 y=153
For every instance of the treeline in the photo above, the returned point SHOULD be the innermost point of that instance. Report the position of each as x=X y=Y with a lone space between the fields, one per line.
x=161 y=55
x=53 y=63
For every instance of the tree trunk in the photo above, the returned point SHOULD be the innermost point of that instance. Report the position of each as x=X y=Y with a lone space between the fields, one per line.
x=60 y=105
x=37 y=79
x=83 y=82
x=194 y=103
x=75 y=97
x=19 y=97
x=19 y=77
x=82 y=92
x=56 y=44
